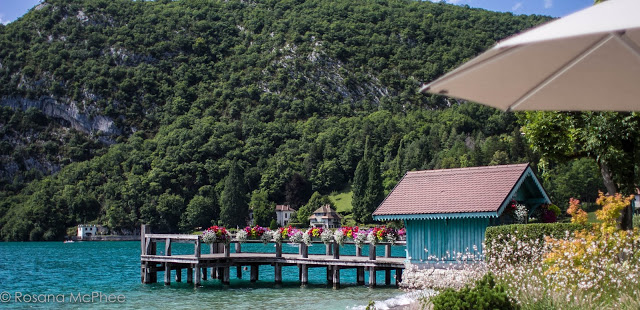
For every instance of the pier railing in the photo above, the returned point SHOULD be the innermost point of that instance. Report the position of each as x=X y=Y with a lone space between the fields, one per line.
x=149 y=246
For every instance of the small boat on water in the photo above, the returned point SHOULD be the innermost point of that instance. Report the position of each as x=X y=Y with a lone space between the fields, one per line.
x=69 y=241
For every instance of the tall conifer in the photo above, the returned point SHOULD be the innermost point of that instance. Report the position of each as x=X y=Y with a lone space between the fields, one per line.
x=234 y=208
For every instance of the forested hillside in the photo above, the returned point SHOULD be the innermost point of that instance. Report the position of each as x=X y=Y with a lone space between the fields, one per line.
x=127 y=112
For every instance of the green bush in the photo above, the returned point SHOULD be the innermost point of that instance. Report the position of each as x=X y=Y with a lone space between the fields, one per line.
x=636 y=221
x=485 y=295
x=526 y=232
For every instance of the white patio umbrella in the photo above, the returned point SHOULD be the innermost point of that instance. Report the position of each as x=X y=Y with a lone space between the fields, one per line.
x=589 y=60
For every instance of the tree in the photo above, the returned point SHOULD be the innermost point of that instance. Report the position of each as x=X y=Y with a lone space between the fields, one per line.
x=360 y=183
x=297 y=191
x=200 y=212
x=234 y=209
x=263 y=210
x=169 y=208
x=316 y=201
x=374 y=192
x=610 y=138
x=579 y=179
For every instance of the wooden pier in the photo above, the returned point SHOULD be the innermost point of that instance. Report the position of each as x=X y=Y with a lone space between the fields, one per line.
x=220 y=261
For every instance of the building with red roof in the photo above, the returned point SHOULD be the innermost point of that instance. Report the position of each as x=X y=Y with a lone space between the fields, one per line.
x=447 y=211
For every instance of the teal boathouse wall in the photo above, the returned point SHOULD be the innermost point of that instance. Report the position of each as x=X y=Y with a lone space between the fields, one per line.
x=440 y=238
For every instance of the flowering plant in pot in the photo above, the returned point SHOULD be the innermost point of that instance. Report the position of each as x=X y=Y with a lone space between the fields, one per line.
x=216 y=234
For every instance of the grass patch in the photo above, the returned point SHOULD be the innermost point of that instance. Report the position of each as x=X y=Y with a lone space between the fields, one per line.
x=591 y=218
x=342 y=200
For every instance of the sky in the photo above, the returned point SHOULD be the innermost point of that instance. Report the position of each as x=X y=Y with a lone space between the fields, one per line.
x=10 y=10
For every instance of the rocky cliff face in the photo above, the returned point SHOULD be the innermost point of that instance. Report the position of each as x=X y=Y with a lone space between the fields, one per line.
x=68 y=112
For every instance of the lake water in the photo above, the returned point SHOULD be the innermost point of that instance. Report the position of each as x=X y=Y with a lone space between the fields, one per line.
x=54 y=274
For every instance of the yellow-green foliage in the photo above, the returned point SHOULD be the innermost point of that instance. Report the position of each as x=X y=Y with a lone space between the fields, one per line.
x=578 y=216
x=597 y=259
x=610 y=212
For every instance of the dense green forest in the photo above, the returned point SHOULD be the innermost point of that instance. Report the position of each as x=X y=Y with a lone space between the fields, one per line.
x=183 y=113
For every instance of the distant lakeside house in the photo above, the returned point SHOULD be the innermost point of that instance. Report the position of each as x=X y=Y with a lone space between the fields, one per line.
x=447 y=211
x=85 y=231
x=325 y=217
x=283 y=214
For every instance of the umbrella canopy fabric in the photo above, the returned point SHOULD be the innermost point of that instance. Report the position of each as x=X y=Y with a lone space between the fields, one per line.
x=589 y=60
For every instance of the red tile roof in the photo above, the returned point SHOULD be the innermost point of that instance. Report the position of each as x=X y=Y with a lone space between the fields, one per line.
x=462 y=190
x=284 y=208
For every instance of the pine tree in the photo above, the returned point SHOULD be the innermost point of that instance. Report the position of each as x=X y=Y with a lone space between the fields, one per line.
x=359 y=186
x=374 y=192
x=234 y=208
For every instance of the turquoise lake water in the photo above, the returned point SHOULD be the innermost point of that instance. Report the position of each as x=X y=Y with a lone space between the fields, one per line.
x=41 y=274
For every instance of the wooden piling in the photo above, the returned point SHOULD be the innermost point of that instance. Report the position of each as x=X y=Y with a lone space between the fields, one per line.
x=179 y=275
x=304 y=250
x=387 y=250
x=227 y=250
x=336 y=277
x=387 y=277
x=255 y=270
x=358 y=251
x=239 y=272
x=372 y=252
x=219 y=273
x=238 y=247
x=189 y=274
x=225 y=275
x=278 y=273
x=398 y=276
x=196 y=282
x=328 y=249
x=336 y=250
x=167 y=273
x=330 y=275
x=278 y=250
x=372 y=276
x=167 y=247
x=305 y=274
x=360 y=275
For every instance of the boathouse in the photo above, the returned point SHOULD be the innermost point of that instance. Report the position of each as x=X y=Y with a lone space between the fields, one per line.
x=447 y=211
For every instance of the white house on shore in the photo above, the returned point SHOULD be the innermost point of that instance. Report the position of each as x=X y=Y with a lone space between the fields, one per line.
x=91 y=230
x=283 y=214
x=325 y=217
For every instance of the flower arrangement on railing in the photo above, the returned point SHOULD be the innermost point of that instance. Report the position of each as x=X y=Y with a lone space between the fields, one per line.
x=315 y=232
x=360 y=238
x=380 y=234
x=339 y=237
x=292 y=234
x=215 y=234
x=349 y=231
x=254 y=233
x=326 y=236
x=241 y=236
